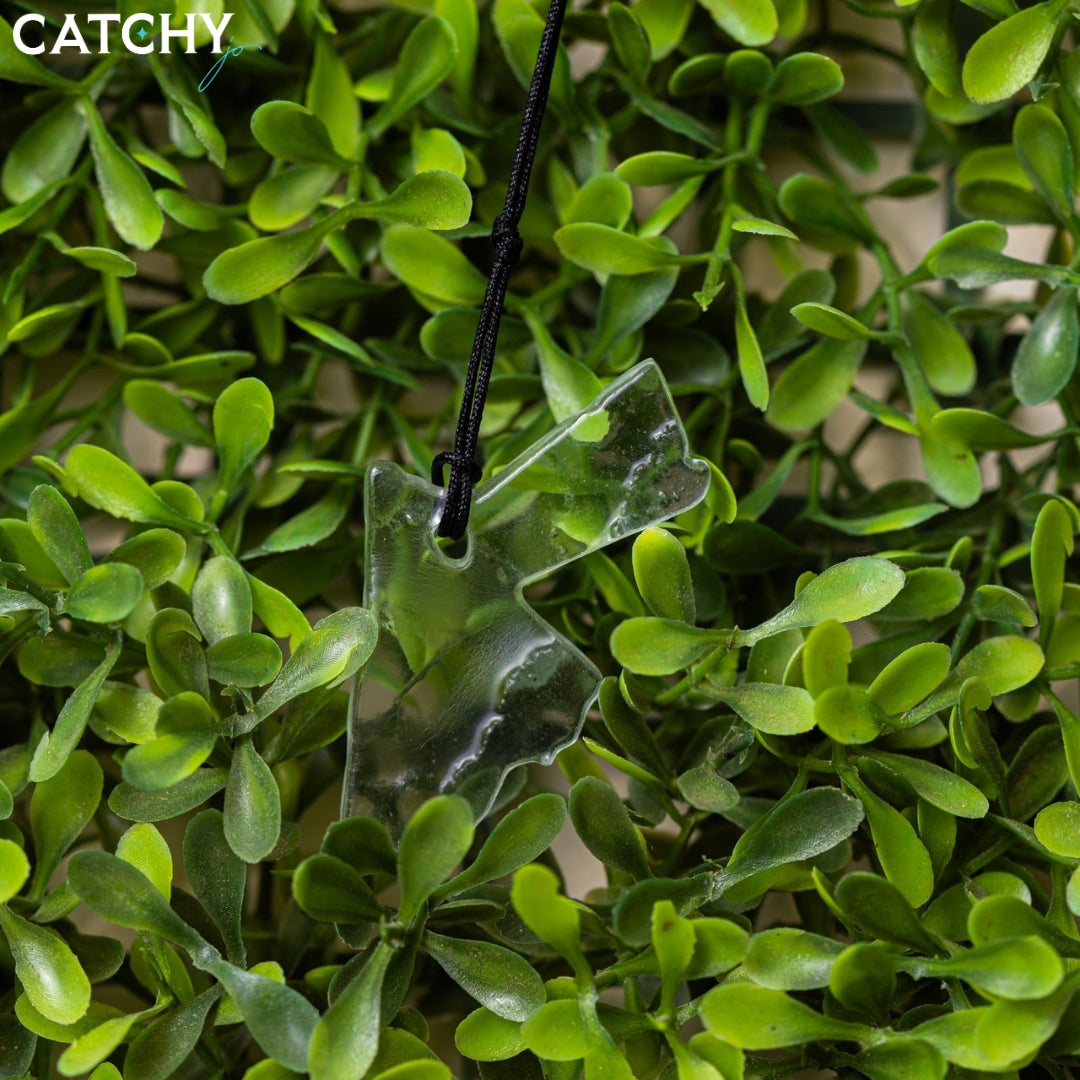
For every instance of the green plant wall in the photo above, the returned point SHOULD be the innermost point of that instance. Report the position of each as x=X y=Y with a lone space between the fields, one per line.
x=831 y=780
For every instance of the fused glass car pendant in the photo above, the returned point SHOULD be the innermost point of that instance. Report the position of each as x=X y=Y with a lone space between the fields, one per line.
x=467 y=681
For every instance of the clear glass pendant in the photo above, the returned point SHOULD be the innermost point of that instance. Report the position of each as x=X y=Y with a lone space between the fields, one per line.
x=467 y=681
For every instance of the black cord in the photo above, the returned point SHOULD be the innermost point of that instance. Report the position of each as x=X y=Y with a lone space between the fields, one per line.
x=464 y=472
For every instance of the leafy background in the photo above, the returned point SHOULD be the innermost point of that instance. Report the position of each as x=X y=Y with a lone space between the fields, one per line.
x=829 y=793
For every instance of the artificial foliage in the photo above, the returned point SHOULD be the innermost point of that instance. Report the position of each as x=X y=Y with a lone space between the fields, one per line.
x=831 y=779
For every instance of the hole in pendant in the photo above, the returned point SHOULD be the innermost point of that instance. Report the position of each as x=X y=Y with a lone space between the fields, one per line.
x=456 y=551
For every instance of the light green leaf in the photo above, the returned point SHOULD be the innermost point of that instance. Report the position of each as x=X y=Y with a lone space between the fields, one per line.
x=128 y=197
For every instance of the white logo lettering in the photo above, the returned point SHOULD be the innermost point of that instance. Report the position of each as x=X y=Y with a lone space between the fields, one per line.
x=218 y=30
x=69 y=37
x=126 y=29
x=17 y=29
x=103 y=29
x=140 y=33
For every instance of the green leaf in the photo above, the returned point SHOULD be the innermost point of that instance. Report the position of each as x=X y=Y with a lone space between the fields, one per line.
x=56 y=746
x=849 y=715
x=144 y=848
x=831 y=322
x=750 y=22
x=704 y=789
x=162 y=1047
x=134 y=804
x=221 y=599
x=811 y=387
x=245 y=660
x=786 y=958
x=60 y=808
x=877 y=909
x=899 y=1058
x=105 y=594
x=1042 y=145
x=257 y=267
x=651 y=646
x=835 y=220
x=1003 y=202
x=1058 y=827
x=183 y=741
x=862 y=979
x=106 y=482
x=14 y=869
x=56 y=528
x=426 y=58
x=943 y=353
x=935 y=48
x=629 y=40
x=22 y=547
x=1051 y=545
x=751 y=361
x=980 y=430
x=498 y=979
x=437 y=148
x=845 y=591
x=556 y=1032
x=604 y=825
x=1014 y=968
x=430 y=200
x=432 y=265
x=928 y=592
x=128 y=197
x=330 y=890
x=520 y=837
x=569 y=385
x=604 y=199
x=936 y=785
x=217 y=876
x=796 y=828
x=436 y=839
x=44 y=152
x=756 y=1018
x=902 y=855
x=346 y=1039
x=484 y=1036
x=665 y=22
x=329 y=96
x=176 y=658
x=662 y=575
x=165 y=411
x=252 y=805
x=51 y=976
x=1046 y=358
x=805 y=78
x=674 y=942
x=770 y=707
x=243 y=421
x=290 y=132
x=1003 y=664
x=976 y=267
x=104 y=260
x=551 y=917
x=658 y=167
x=335 y=649
x=280 y=1020
x=761 y=227
x=996 y=603
x=416 y=1070
x=605 y=250
x=1008 y=56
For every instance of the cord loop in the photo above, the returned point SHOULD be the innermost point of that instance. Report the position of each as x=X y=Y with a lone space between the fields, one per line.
x=508 y=245
x=449 y=457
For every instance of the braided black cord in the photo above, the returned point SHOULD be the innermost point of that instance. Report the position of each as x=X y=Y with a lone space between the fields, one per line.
x=505 y=238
